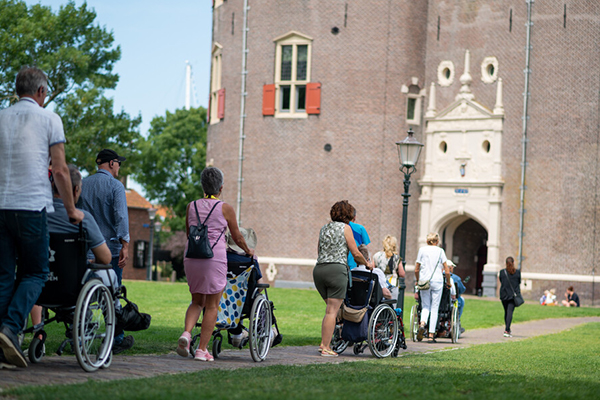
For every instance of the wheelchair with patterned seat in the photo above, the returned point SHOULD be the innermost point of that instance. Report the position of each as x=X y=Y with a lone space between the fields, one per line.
x=385 y=329
x=448 y=323
x=77 y=297
x=243 y=298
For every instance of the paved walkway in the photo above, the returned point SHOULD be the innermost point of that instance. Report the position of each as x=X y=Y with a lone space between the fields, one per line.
x=66 y=370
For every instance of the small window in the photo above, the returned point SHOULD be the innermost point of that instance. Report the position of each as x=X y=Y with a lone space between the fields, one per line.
x=215 y=85
x=489 y=70
x=486 y=146
x=445 y=73
x=443 y=147
x=413 y=105
x=292 y=74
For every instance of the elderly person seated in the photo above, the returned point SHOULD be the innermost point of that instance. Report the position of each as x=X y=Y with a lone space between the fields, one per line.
x=58 y=222
x=385 y=289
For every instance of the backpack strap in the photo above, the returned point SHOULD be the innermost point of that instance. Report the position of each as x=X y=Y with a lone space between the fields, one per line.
x=206 y=219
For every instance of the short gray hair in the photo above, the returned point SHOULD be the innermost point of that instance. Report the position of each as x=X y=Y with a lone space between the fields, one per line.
x=29 y=80
x=212 y=180
x=75 y=179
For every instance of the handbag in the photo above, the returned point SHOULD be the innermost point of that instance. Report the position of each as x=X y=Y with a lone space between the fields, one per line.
x=198 y=243
x=389 y=269
x=129 y=318
x=353 y=314
x=425 y=285
x=517 y=298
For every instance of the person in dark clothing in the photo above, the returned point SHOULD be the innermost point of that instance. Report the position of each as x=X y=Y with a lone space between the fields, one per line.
x=572 y=300
x=510 y=279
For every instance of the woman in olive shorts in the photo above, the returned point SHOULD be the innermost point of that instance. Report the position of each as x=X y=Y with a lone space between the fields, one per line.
x=331 y=272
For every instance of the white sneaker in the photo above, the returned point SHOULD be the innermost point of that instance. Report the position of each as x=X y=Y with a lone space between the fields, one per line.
x=240 y=340
x=272 y=336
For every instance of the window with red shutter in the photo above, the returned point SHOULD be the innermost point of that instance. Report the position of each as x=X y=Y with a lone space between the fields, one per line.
x=313 y=98
x=269 y=99
x=221 y=104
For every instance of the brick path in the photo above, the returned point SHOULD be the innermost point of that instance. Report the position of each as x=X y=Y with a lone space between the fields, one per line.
x=66 y=370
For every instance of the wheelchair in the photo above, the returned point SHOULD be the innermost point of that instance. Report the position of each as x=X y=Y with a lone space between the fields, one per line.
x=78 y=298
x=243 y=298
x=385 y=329
x=448 y=323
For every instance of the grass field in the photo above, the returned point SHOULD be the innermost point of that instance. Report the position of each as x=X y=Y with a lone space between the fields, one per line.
x=559 y=366
x=299 y=314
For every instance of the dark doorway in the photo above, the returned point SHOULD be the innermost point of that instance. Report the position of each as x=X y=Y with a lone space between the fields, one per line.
x=470 y=249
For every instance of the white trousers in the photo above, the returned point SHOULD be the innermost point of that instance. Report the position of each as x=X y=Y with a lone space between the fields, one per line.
x=430 y=303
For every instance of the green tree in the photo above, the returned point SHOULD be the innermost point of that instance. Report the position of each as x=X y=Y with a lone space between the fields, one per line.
x=78 y=56
x=91 y=125
x=172 y=159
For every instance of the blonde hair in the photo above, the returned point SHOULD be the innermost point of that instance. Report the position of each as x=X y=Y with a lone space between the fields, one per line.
x=390 y=246
x=433 y=238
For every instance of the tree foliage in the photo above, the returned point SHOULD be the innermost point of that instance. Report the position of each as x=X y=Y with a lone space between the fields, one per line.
x=91 y=125
x=78 y=56
x=172 y=159
x=68 y=46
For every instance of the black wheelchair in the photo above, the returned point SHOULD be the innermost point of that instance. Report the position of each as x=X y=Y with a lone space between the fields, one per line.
x=447 y=325
x=254 y=305
x=385 y=330
x=77 y=297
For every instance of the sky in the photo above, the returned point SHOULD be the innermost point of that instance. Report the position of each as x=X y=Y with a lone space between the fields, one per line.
x=156 y=39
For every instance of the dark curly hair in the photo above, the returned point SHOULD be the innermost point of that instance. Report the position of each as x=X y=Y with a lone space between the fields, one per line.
x=342 y=211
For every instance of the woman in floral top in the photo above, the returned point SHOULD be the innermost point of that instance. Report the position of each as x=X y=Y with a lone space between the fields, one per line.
x=331 y=272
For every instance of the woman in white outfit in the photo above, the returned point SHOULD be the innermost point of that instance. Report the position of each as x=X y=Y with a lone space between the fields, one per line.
x=431 y=262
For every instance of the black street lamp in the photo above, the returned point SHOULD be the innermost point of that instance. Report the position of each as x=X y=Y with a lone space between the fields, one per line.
x=151 y=215
x=408 y=153
x=157 y=228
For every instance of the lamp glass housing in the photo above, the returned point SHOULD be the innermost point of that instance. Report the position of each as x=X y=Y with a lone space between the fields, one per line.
x=152 y=213
x=409 y=150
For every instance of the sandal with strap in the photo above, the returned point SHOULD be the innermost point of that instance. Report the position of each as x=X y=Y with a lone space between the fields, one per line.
x=328 y=353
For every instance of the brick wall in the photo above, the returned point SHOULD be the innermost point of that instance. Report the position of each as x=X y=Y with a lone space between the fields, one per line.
x=137 y=218
x=290 y=182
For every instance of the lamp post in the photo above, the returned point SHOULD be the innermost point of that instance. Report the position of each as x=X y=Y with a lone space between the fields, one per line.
x=157 y=228
x=151 y=215
x=409 y=150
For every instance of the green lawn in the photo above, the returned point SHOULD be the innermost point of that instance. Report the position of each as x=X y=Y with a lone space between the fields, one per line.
x=299 y=313
x=559 y=366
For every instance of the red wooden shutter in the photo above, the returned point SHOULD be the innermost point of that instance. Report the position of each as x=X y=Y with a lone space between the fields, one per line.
x=313 y=98
x=221 y=103
x=269 y=99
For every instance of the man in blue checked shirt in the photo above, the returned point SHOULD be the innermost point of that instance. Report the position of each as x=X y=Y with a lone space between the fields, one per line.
x=104 y=197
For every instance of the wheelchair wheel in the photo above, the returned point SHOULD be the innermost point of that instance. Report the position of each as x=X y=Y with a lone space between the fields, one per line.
x=195 y=339
x=36 y=347
x=337 y=343
x=383 y=331
x=414 y=323
x=93 y=326
x=108 y=361
x=260 y=328
x=455 y=330
x=216 y=345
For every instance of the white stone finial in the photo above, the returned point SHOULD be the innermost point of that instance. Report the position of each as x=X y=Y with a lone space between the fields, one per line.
x=499 y=107
x=466 y=79
x=431 y=110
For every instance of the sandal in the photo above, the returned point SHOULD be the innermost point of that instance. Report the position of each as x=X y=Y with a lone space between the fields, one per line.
x=328 y=353
x=421 y=333
x=431 y=340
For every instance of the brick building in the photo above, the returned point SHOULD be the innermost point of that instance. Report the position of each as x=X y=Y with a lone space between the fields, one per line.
x=308 y=102
x=139 y=231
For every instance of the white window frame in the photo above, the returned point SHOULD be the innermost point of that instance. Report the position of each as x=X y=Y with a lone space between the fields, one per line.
x=215 y=82
x=294 y=39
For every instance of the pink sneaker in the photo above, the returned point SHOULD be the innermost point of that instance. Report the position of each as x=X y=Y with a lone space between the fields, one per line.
x=183 y=345
x=203 y=355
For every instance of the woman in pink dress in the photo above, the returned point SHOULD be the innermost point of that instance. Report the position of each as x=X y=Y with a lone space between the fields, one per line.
x=207 y=277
